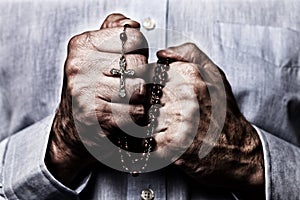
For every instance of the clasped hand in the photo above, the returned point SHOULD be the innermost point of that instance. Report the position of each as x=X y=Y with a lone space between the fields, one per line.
x=232 y=158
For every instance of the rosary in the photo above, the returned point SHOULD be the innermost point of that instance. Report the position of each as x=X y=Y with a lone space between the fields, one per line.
x=139 y=164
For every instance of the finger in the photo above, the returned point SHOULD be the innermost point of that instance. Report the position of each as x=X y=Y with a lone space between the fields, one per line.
x=103 y=64
x=109 y=115
x=97 y=74
x=86 y=87
x=108 y=40
x=117 y=115
x=187 y=52
x=107 y=23
x=110 y=91
x=118 y=20
x=135 y=62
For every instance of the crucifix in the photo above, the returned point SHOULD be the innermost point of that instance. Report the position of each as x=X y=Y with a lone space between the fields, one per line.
x=122 y=72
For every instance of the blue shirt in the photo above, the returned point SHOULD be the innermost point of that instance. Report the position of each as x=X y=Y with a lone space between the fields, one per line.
x=256 y=43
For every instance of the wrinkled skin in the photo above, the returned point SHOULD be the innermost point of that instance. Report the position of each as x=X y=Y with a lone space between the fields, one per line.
x=233 y=159
x=90 y=93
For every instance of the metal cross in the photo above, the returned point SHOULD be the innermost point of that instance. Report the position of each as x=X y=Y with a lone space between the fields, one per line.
x=123 y=73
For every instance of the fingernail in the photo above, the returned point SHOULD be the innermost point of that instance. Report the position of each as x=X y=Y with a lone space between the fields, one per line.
x=142 y=89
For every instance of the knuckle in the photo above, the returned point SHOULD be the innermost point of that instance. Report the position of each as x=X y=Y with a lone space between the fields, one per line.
x=77 y=88
x=136 y=60
x=72 y=66
x=137 y=39
x=80 y=40
x=192 y=71
x=113 y=16
x=191 y=45
x=73 y=41
x=71 y=87
x=188 y=71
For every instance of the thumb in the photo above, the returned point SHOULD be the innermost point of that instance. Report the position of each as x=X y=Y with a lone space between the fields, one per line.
x=119 y=20
x=187 y=52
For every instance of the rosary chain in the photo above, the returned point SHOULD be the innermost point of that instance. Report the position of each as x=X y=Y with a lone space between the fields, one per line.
x=159 y=80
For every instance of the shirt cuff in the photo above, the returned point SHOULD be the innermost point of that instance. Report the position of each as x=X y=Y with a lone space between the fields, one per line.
x=25 y=175
x=266 y=163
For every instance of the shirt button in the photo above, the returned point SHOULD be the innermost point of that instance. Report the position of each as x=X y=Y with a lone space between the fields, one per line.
x=148 y=24
x=147 y=194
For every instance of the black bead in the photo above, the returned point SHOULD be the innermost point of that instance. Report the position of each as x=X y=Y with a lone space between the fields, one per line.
x=127 y=26
x=160 y=62
x=154 y=100
x=166 y=67
x=159 y=93
x=123 y=37
x=167 y=61
x=152 y=143
x=146 y=145
x=156 y=87
x=134 y=174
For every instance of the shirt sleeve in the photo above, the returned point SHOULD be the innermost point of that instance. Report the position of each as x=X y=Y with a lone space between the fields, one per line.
x=24 y=174
x=282 y=167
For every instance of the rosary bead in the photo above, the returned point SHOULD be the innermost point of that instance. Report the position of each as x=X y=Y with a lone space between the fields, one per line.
x=151 y=116
x=164 y=76
x=123 y=62
x=157 y=106
x=154 y=100
x=126 y=26
x=153 y=122
x=148 y=132
x=156 y=79
x=156 y=87
x=166 y=67
x=151 y=128
x=157 y=90
x=162 y=82
x=134 y=173
x=149 y=144
x=156 y=94
x=167 y=61
x=160 y=62
x=157 y=70
x=146 y=144
x=154 y=112
x=159 y=93
x=123 y=37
